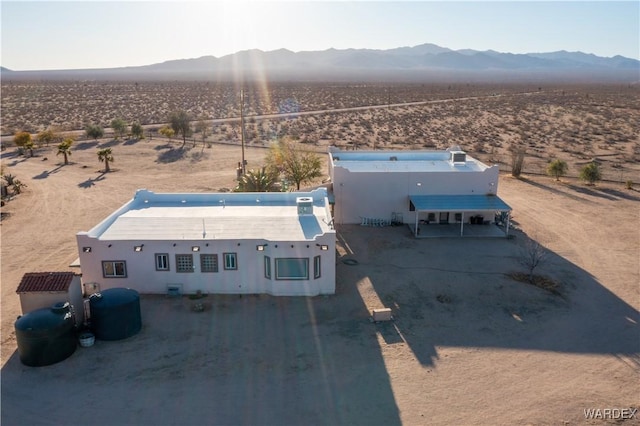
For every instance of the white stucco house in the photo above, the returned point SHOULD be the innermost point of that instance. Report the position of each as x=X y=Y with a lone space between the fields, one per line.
x=414 y=187
x=275 y=243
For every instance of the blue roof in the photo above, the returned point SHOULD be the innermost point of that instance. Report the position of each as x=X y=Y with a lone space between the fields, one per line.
x=458 y=203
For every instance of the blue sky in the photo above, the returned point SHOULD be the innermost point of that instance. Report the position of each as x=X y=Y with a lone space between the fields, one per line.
x=91 y=34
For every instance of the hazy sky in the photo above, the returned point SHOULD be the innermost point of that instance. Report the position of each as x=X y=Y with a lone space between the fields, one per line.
x=89 y=34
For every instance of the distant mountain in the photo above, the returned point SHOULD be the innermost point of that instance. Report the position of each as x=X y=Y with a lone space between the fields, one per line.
x=418 y=62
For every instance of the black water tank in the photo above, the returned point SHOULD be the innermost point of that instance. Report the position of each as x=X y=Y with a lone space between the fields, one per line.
x=115 y=313
x=46 y=336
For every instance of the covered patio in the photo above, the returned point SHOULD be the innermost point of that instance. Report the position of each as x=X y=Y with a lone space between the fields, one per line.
x=474 y=216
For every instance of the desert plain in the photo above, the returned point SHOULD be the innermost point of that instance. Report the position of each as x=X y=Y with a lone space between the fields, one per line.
x=468 y=344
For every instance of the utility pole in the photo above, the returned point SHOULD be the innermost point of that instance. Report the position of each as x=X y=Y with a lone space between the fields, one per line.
x=244 y=167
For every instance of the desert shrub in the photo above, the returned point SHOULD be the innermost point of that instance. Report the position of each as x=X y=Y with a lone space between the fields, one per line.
x=94 y=131
x=557 y=168
x=590 y=173
x=629 y=184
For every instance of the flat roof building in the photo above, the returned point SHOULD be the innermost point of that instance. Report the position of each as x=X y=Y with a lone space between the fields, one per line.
x=413 y=187
x=275 y=243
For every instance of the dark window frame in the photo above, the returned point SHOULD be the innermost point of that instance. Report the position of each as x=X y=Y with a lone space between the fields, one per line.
x=179 y=269
x=166 y=259
x=216 y=266
x=115 y=274
x=317 y=264
x=305 y=261
x=227 y=266
x=267 y=267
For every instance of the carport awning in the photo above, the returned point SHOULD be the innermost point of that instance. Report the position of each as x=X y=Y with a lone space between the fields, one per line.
x=458 y=203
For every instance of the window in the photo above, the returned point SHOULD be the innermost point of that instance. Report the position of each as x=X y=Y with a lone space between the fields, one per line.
x=162 y=262
x=267 y=267
x=184 y=263
x=230 y=261
x=291 y=268
x=208 y=263
x=114 y=269
x=316 y=267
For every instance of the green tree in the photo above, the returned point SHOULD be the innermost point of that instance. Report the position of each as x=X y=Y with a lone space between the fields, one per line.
x=22 y=139
x=167 y=132
x=94 y=131
x=261 y=180
x=557 y=168
x=181 y=124
x=48 y=136
x=590 y=173
x=137 y=131
x=119 y=127
x=105 y=155
x=65 y=149
x=286 y=158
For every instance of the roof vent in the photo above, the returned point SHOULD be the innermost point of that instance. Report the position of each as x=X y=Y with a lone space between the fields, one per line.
x=305 y=205
x=458 y=157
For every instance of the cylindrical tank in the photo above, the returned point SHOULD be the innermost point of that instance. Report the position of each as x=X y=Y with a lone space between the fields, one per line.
x=46 y=336
x=115 y=313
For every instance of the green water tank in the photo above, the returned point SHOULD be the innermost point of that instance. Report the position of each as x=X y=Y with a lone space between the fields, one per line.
x=46 y=336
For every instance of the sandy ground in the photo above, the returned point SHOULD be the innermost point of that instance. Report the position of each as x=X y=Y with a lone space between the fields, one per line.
x=468 y=344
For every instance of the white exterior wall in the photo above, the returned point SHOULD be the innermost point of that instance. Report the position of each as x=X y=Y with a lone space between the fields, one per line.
x=379 y=194
x=30 y=301
x=249 y=278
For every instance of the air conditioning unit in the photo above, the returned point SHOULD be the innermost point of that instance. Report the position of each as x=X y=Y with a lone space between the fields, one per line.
x=458 y=157
x=174 y=290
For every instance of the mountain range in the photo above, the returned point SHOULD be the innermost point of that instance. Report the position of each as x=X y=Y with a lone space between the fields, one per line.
x=417 y=62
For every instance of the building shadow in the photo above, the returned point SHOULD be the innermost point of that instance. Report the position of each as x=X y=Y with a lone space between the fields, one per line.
x=255 y=359
x=459 y=294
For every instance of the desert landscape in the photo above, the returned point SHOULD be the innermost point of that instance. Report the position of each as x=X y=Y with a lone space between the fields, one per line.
x=574 y=122
x=468 y=344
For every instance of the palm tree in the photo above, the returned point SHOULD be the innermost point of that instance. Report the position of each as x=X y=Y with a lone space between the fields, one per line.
x=65 y=149
x=257 y=181
x=105 y=155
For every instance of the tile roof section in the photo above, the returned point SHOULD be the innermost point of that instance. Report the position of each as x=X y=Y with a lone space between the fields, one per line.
x=45 y=281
